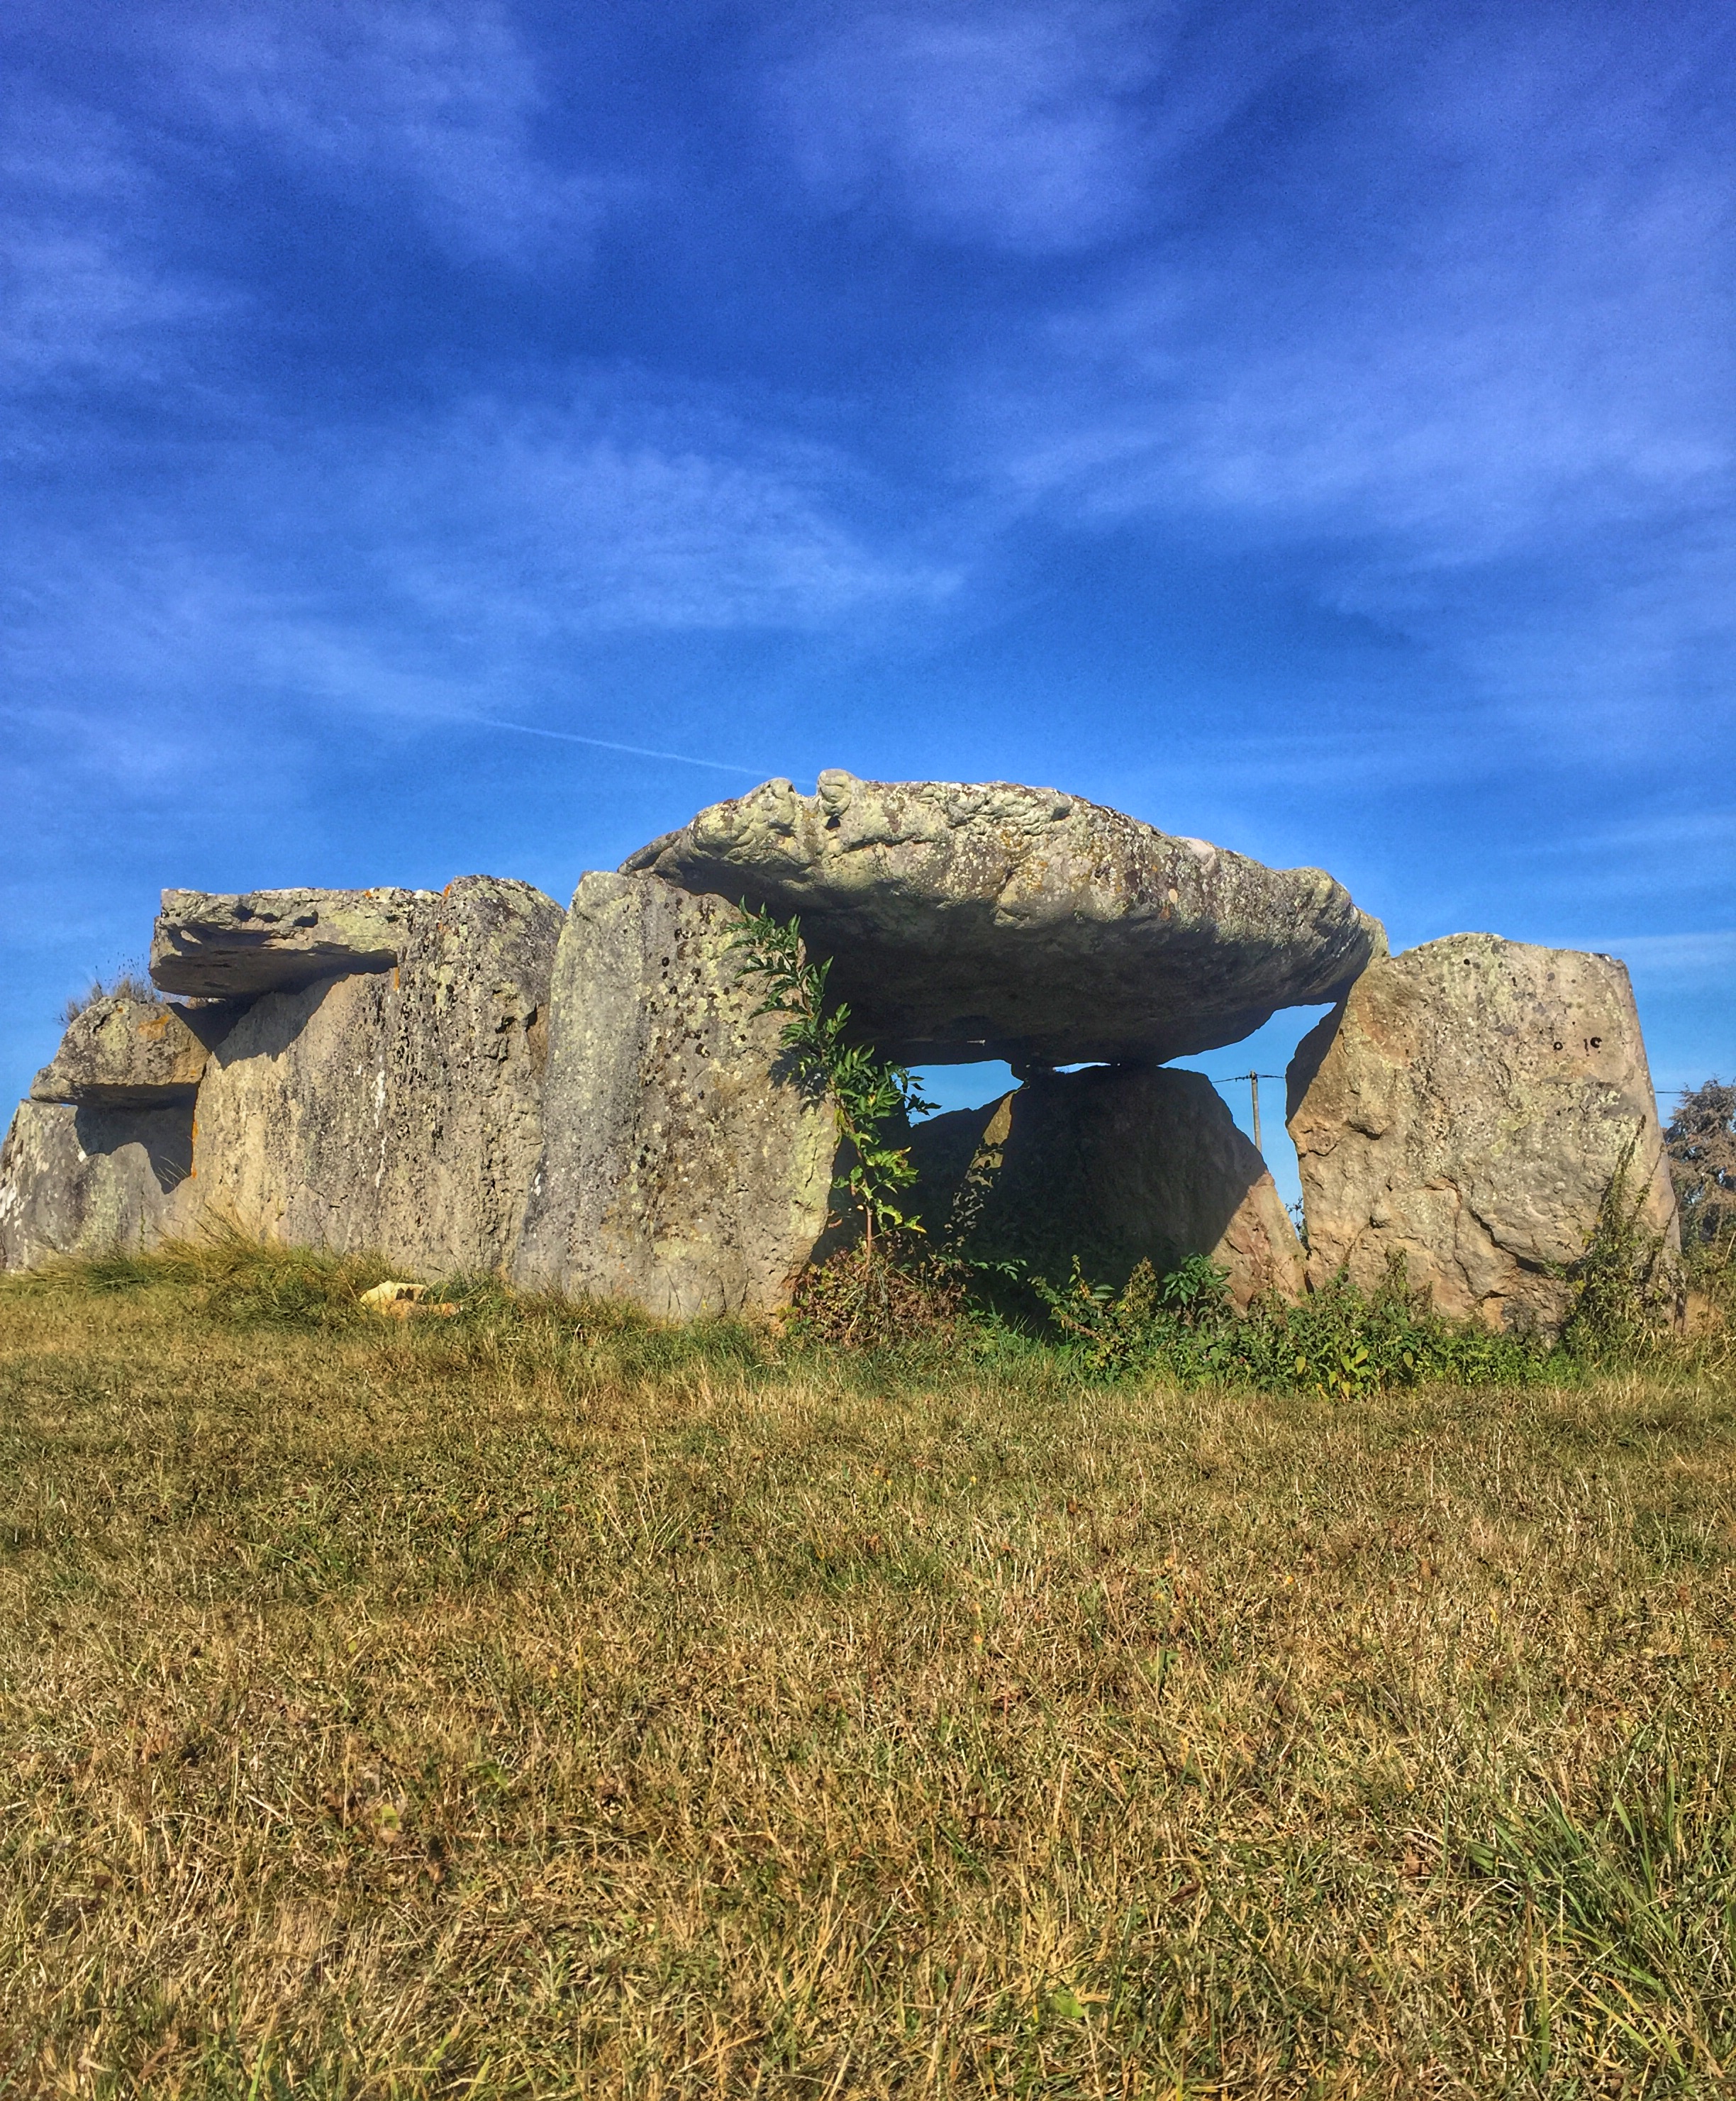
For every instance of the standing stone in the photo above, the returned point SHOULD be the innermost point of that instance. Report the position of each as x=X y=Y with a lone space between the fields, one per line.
x=1466 y=1109
x=133 y=1054
x=679 y=1169
x=211 y=947
x=467 y=1046
x=85 y=1180
x=993 y=921
x=291 y=1133
x=395 y=1110
x=1116 y=1167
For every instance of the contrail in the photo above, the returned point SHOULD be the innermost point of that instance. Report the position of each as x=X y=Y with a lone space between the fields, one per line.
x=602 y=744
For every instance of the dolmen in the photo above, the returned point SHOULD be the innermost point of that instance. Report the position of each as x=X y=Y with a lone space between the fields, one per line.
x=588 y=1101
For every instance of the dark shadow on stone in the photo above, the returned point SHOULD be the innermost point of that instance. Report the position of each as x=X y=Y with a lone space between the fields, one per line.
x=1116 y=1166
x=1307 y=1057
x=165 y=1135
x=265 y=1027
x=211 y=1020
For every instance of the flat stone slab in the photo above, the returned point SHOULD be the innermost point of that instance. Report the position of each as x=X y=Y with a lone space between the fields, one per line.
x=135 y=1054
x=971 y=922
x=1465 y=1112
x=1117 y=1168
x=210 y=947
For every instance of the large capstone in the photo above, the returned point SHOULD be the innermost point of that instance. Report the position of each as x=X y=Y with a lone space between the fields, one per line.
x=122 y=1053
x=1002 y=921
x=683 y=1168
x=207 y=947
x=1113 y=1167
x=1465 y=1112
x=88 y=1180
x=394 y=1110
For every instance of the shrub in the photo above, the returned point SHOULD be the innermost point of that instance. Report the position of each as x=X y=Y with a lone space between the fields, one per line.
x=1627 y=1286
x=875 y=1295
x=1338 y=1341
x=1700 y=1144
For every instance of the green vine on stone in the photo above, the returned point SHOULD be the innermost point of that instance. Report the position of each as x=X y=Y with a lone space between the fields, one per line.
x=868 y=1093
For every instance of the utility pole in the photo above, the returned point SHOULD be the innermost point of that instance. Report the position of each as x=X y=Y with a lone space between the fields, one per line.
x=1253 y=1080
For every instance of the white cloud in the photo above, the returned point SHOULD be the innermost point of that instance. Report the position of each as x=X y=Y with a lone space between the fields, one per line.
x=421 y=569
x=1034 y=128
x=1670 y=958
x=440 y=102
x=84 y=298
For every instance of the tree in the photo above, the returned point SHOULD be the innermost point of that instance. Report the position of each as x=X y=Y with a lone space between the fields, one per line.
x=1700 y=1143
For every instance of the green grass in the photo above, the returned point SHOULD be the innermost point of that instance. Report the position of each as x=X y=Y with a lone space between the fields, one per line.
x=540 y=1701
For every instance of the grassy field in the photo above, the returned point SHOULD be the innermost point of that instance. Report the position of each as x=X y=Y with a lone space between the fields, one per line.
x=514 y=1705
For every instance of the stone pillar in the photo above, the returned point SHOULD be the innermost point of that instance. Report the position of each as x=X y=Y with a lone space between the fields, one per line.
x=82 y=1179
x=1118 y=1165
x=395 y=1110
x=680 y=1170
x=1466 y=1107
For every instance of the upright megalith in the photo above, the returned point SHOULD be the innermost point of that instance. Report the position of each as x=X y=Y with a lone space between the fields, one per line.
x=122 y=1053
x=396 y=1110
x=293 y=1124
x=968 y=922
x=210 y=947
x=682 y=1169
x=1117 y=1167
x=465 y=1050
x=100 y=1154
x=79 y=1179
x=1466 y=1109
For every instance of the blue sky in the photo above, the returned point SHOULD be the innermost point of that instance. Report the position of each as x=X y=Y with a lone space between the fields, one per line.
x=1308 y=427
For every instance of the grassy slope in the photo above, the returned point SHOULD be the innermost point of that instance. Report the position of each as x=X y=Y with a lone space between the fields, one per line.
x=478 y=1708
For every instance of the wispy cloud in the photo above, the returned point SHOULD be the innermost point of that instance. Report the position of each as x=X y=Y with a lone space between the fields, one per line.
x=437 y=103
x=1041 y=129
x=437 y=569
x=87 y=300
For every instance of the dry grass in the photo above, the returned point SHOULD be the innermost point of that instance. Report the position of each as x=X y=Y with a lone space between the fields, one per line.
x=497 y=1707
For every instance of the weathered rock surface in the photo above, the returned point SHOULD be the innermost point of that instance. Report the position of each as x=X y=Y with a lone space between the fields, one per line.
x=1116 y=1167
x=133 y=1054
x=1466 y=1109
x=1001 y=922
x=208 y=947
x=292 y=1118
x=397 y=1111
x=679 y=1170
x=466 y=1047
x=84 y=1180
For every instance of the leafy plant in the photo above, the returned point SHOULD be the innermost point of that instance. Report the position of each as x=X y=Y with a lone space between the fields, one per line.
x=871 y=1096
x=1338 y=1341
x=1626 y=1286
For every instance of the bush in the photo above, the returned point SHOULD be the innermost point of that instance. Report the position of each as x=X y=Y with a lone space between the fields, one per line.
x=1628 y=1286
x=868 y=1296
x=1337 y=1342
x=1700 y=1143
